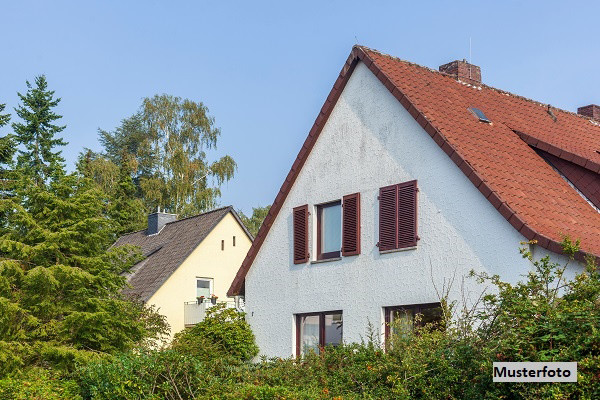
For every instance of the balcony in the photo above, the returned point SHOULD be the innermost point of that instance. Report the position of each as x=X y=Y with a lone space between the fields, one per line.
x=194 y=312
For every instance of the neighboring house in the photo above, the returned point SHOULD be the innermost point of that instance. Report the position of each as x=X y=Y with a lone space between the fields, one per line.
x=185 y=259
x=409 y=179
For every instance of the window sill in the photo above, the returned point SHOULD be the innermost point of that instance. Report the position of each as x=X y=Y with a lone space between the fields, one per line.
x=397 y=250
x=326 y=260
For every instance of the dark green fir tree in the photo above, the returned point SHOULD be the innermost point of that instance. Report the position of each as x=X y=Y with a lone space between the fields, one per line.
x=7 y=151
x=39 y=159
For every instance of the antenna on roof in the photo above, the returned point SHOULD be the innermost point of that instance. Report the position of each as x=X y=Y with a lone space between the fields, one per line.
x=470 y=58
x=355 y=37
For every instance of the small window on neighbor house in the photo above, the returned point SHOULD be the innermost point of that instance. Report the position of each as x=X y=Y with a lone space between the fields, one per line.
x=403 y=319
x=329 y=230
x=314 y=331
x=204 y=287
x=480 y=115
x=222 y=245
x=234 y=241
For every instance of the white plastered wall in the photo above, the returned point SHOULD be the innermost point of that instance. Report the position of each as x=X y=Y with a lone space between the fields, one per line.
x=206 y=261
x=370 y=141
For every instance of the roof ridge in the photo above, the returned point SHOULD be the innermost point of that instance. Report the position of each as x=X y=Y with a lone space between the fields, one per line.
x=483 y=85
x=200 y=215
x=178 y=220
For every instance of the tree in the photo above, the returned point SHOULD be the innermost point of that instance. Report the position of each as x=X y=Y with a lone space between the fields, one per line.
x=168 y=138
x=60 y=298
x=7 y=151
x=124 y=208
x=37 y=133
x=255 y=221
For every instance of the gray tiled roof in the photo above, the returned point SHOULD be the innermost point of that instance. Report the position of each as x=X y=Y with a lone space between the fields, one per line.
x=165 y=251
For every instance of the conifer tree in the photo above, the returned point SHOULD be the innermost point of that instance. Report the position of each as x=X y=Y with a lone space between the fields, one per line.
x=37 y=133
x=60 y=299
x=7 y=151
x=124 y=207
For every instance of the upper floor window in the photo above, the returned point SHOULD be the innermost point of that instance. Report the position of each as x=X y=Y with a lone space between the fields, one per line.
x=204 y=287
x=329 y=230
x=398 y=216
x=338 y=229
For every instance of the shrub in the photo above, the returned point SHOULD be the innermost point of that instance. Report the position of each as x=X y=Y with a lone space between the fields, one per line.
x=223 y=333
x=38 y=383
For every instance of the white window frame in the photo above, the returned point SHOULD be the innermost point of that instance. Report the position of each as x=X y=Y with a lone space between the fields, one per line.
x=211 y=285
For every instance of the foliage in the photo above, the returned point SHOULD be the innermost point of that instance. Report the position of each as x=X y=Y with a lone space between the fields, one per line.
x=544 y=318
x=38 y=383
x=60 y=300
x=7 y=151
x=224 y=331
x=254 y=222
x=166 y=140
x=124 y=208
x=146 y=375
x=37 y=133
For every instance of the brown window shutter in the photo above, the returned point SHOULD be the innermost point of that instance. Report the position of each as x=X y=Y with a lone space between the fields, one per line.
x=407 y=214
x=351 y=225
x=301 y=234
x=388 y=230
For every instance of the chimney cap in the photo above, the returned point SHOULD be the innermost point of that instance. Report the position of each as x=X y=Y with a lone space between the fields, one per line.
x=157 y=220
x=463 y=71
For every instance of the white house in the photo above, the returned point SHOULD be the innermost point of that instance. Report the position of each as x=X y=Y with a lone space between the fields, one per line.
x=409 y=179
x=185 y=259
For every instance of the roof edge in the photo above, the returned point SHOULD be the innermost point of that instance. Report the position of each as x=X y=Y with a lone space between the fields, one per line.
x=359 y=53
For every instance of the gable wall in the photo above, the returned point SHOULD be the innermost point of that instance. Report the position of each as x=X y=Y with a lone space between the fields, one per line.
x=206 y=261
x=368 y=142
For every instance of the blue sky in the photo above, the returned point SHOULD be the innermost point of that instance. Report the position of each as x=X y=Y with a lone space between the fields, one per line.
x=265 y=68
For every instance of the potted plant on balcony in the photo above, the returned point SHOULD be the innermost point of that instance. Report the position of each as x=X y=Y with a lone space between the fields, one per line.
x=213 y=298
x=200 y=299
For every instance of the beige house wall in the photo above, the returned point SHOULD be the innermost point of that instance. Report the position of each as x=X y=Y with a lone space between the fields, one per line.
x=206 y=261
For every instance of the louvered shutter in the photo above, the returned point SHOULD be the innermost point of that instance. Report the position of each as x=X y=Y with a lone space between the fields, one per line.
x=351 y=225
x=388 y=201
x=407 y=214
x=300 y=234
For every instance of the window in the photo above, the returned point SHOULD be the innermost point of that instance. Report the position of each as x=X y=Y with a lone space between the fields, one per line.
x=403 y=319
x=314 y=331
x=234 y=241
x=480 y=115
x=329 y=230
x=204 y=287
x=222 y=245
x=337 y=227
x=398 y=216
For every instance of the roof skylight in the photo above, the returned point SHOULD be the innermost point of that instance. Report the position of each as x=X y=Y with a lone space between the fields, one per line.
x=480 y=115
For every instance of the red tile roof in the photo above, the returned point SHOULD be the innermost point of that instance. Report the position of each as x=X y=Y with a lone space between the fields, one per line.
x=498 y=157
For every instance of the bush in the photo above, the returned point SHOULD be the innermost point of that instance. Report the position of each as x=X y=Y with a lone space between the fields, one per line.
x=543 y=318
x=38 y=383
x=147 y=375
x=223 y=333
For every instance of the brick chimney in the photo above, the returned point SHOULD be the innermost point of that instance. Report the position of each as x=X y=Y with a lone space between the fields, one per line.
x=157 y=220
x=592 y=111
x=463 y=71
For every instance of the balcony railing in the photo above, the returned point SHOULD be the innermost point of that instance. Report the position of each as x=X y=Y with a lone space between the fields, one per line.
x=194 y=312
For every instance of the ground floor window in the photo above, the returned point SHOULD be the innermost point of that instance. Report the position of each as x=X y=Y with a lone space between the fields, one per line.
x=317 y=330
x=403 y=319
